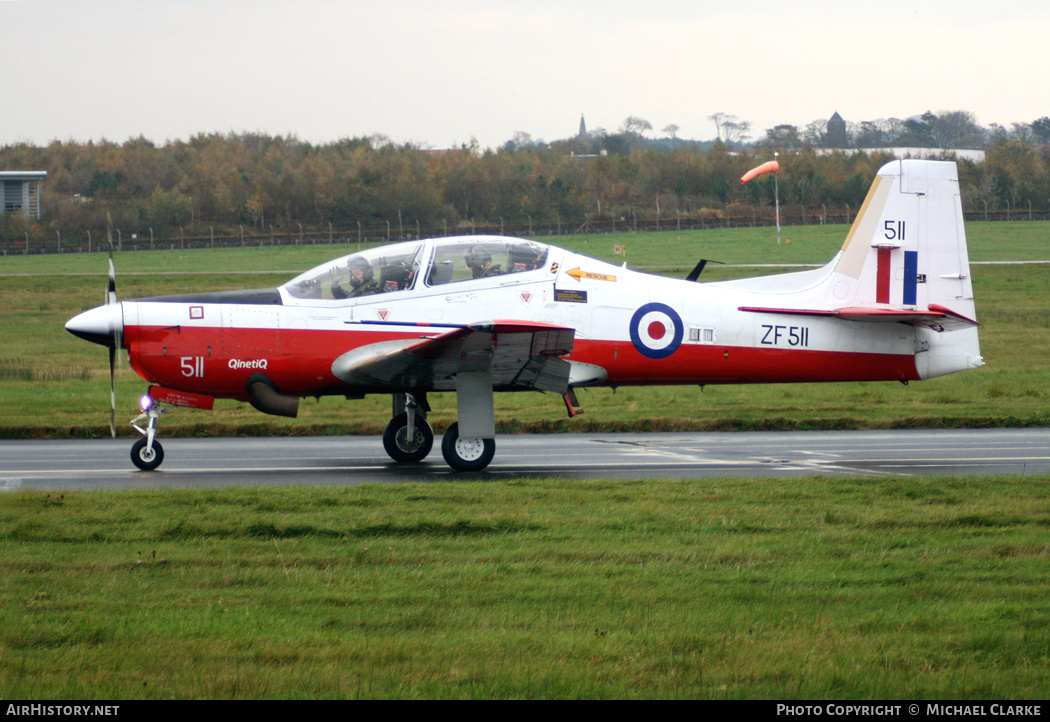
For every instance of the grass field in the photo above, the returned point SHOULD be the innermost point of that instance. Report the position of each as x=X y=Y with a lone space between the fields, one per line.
x=53 y=384
x=888 y=588
x=813 y=588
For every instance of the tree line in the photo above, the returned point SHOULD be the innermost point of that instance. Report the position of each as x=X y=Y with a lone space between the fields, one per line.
x=256 y=183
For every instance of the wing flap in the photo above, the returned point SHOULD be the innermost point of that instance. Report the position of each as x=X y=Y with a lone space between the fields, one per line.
x=518 y=354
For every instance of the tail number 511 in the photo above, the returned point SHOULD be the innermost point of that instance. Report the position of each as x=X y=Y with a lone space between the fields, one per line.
x=192 y=366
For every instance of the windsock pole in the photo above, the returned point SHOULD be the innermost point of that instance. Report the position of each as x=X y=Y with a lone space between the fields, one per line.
x=776 y=194
x=773 y=167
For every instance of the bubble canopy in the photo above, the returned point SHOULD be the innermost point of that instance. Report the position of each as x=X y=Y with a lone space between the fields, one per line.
x=403 y=266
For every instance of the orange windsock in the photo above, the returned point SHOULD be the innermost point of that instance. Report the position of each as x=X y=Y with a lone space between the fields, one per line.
x=768 y=167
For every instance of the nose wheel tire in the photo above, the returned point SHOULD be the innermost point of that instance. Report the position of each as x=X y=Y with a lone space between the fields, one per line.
x=147 y=459
x=403 y=449
x=466 y=454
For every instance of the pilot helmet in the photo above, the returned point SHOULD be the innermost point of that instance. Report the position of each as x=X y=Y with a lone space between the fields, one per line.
x=477 y=257
x=358 y=263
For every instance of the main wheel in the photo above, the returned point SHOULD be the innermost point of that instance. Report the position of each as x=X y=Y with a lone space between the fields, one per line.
x=466 y=454
x=147 y=459
x=400 y=447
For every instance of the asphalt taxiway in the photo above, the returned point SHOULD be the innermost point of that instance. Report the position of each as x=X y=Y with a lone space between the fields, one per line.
x=333 y=461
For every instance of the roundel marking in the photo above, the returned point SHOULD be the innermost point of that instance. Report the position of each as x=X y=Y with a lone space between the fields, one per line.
x=656 y=330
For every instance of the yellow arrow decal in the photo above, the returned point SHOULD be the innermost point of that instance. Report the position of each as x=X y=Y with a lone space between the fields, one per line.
x=578 y=274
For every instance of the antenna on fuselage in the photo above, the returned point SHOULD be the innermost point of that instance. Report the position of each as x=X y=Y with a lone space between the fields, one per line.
x=695 y=273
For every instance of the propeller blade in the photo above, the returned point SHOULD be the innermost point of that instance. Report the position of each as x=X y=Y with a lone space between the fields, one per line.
x=118 y=328
x=111 y=290
x=111 y=300
x=112 y=395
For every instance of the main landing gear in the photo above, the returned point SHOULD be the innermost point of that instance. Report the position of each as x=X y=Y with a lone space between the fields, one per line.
x=466 y=454
x=408 y=438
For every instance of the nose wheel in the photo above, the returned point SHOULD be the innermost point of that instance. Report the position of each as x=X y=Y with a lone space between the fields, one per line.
x=145 y=456
x=147 y=453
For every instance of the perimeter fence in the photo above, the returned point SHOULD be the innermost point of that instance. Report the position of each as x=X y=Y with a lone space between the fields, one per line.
x=57 y=242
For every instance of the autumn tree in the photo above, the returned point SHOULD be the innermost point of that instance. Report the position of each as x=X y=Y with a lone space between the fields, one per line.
x=257 y=180
x=1020 y=173
x=1041 y=129
x=635 y=125
x=729 y=129
x=955 y=129
x=782 y=137
x=917 y=132
x=815 y=133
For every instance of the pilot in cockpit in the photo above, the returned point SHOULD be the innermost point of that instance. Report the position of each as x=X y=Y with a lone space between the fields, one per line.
x=479 y=261
x=362 y=280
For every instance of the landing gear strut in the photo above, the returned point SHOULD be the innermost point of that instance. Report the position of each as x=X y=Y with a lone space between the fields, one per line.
x=147 y=453
x=408 y=437
x=470 y=443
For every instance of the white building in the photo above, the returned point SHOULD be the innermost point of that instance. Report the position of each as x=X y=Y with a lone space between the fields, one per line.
x=974 y=156
x=21 y=191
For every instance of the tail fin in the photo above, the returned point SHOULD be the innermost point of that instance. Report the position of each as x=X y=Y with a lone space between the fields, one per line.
x=904 y=261
x=907 y=247
x=907 y=252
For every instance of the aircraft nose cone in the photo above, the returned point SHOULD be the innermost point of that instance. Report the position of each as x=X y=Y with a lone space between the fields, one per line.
x=97 y=325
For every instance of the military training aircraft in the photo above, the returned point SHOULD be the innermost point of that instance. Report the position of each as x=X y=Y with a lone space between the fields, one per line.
x=481 y=314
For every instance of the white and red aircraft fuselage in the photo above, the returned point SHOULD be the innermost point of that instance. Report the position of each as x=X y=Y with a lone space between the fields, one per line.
x=481 y=314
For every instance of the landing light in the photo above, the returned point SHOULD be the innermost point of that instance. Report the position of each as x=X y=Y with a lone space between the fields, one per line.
x=145 y=403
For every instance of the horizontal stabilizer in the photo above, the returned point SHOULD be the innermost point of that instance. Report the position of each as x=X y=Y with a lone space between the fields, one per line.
x=936 y=317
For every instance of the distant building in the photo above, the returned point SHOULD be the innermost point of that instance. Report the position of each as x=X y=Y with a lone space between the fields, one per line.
x=583 y=128
x=21 y=191
x=836 y=134
x=973 y=156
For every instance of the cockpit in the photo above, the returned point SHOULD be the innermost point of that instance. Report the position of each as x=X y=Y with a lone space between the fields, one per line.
x=465 y=259
x=391 y=269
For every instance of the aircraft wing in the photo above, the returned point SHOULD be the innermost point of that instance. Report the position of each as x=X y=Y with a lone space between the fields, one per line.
x=936 y=317
x=518 y=354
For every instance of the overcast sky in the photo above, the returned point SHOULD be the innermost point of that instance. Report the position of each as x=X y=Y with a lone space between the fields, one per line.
x=440 y=73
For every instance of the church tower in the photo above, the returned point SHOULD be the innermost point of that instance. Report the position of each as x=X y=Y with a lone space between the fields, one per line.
x=836 y=137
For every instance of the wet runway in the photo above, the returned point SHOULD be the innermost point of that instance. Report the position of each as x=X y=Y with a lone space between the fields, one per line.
x=331 y=461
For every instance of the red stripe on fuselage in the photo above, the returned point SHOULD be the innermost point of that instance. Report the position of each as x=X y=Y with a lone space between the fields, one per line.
x=218 y=362
x=712 y=364
x=299 y=361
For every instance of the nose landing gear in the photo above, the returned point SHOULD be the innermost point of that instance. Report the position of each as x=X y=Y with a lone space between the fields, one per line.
x=147 y=453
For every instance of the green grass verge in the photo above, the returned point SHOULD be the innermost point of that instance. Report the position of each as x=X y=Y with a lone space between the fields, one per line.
x=54 y=385
x=820 y=588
